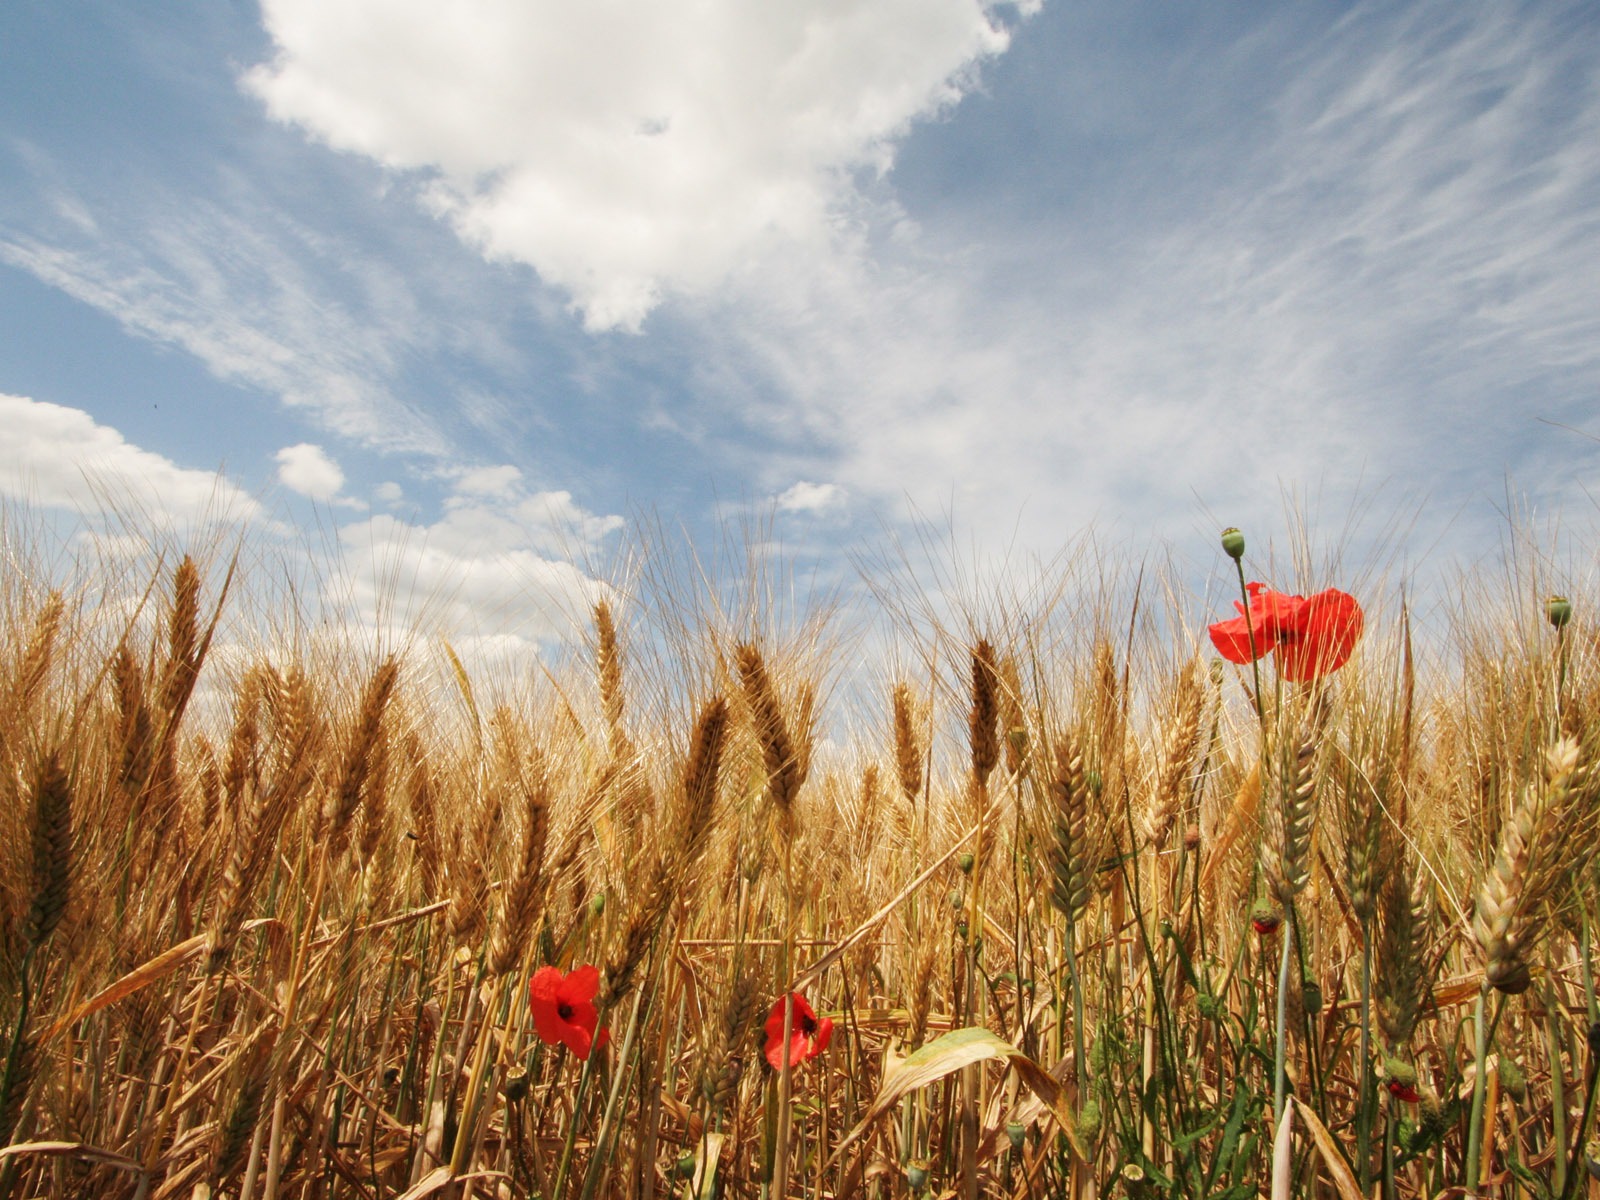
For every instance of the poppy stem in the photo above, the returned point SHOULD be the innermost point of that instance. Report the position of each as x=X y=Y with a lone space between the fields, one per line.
x=1280 y=1076
x=780 y=1160
x=1255 y=651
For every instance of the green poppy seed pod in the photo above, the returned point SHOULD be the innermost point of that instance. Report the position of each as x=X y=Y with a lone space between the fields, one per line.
x=1016 y=1134
x=598 y=904
x=1311 y=996
x=685 y=1166
x=916 y=1176
x=964 y=860
x=516 y=1086
x=1233 y=543
x=1559 y=611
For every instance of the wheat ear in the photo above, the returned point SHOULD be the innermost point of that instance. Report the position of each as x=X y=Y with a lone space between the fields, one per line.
x=1533 y=852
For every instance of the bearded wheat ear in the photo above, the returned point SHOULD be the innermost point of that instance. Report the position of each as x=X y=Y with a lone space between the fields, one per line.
x=1182 y=745
x=1073 y=859
x=1534 y=849
x=1405 y=919
x=361 y=749
x=695 y=806
x=785 y=761
x=608 y=668
x=908 y=756
x=521 y=907
x=1362 y=824
x=1292 y=819
x=37 y=657
x=52 y=849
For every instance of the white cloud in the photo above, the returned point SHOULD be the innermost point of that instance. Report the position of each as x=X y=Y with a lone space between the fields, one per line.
x=259 y=299
x=1383 y=285
x=61 y=457
x=389 y=493
x=308 y=470
x=489 y=481
x=630 y=149
x=496 y=576
x=811 y=497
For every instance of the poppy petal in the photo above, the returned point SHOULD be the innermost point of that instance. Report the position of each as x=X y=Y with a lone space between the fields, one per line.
x=544 y=1000
x=1323 y=636
x=582 y=985
x=1232 y=640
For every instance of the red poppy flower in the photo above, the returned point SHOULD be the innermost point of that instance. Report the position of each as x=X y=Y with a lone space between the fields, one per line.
x=1312 y=635
x=563 y=1008
x=808 y=1034
x=1265 y=922
x=1404 y=1092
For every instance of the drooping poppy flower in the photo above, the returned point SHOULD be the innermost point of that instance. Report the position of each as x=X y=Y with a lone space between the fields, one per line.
x=563 y=1008
x=1404 y=1092
x=808 y=1034
x=1312 y=636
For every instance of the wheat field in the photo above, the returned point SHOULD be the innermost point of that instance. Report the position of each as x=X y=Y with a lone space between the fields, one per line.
x=1068 y=906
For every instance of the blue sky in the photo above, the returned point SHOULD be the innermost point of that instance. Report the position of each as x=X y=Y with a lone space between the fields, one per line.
x=483 y=288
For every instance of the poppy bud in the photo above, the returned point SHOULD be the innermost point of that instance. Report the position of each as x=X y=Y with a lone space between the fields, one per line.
x=964 y=860
x=685 y=1166
x=1559 y=610
x=1402 y=1080
x=1089 y=1121
x=1233 y=543
x=598 y=904
x=1265 y=919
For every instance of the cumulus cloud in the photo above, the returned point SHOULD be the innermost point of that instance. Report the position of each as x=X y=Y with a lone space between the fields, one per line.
x=631 y=149
x=496 y=575
x=810 y=497
x=489 y=481
x=308 y=470
x=63 y=458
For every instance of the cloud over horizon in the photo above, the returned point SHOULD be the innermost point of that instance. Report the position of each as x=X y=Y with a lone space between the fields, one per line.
x=632 y=150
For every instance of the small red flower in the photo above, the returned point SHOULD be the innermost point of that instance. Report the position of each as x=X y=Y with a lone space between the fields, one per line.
x=1312 y=636
x=808 y=1034
x=563 y=1008
x=1404 y=1092
x=1265 y=922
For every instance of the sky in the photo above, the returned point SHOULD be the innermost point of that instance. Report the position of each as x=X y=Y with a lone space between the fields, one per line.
x=475 y=299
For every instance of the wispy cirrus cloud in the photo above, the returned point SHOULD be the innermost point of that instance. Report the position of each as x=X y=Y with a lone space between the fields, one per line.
x=1388 y=280
x=257 y=297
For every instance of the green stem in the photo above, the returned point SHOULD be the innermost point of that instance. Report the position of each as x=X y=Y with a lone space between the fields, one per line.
x=1475 y=1121
x=1365 y=1097
x=1558 y=1089
x=1280 y=1076
x=1255 y=651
